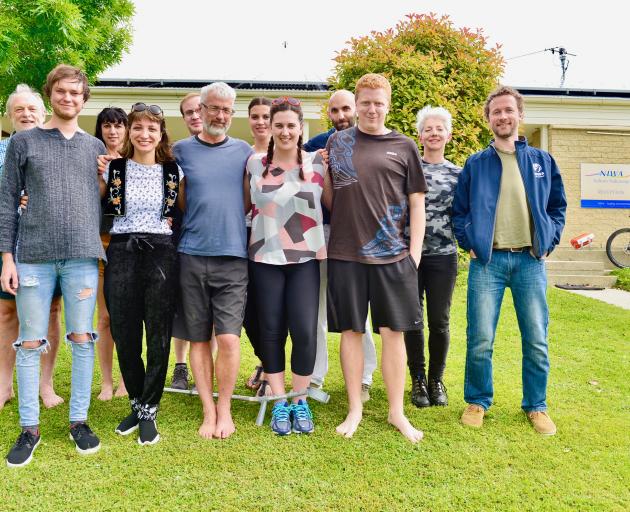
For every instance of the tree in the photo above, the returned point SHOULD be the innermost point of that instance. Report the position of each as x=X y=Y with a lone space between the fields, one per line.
x=36 y=35
x=428 y=62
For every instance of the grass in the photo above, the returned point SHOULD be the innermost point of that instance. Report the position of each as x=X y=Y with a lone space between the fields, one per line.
x=503 y=466
x=623 y=278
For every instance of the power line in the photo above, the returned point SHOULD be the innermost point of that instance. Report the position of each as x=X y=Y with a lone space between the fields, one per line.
x=562 y=55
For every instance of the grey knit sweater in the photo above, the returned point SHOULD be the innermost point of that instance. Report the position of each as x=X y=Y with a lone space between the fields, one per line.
x=63 y=214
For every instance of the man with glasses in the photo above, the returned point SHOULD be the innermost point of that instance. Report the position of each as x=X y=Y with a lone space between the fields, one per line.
x=213 y=254
x=58 y=239
x=26 y=110
x=190 y=108
x=341 y=112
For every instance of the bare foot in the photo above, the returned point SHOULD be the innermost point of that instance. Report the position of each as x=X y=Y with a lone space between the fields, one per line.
x=225 y=426
x=5 y=397
x=406 y=429
x=107 y=392
x=349 y=426
x=121 y=391
x=49 y=397
x=207 y=428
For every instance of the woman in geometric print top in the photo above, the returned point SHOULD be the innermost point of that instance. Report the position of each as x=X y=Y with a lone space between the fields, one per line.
x=438 y=267
x=286 y=244
x=140 y=279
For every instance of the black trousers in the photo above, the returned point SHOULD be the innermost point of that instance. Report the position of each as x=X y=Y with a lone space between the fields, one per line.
x=436 y=279
x=140 y=279
x=287 y=295
x=250 y=321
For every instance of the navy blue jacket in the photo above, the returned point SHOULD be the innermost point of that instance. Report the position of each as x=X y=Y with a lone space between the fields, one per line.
x=319 y=141
x=477 y=193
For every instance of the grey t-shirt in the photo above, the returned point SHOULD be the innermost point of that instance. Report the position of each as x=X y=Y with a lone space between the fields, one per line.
x=60 y=177
x=214 y=219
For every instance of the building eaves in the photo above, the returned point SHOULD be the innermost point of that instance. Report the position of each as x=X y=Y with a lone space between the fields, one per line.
x=197 y=84
x=575 y=93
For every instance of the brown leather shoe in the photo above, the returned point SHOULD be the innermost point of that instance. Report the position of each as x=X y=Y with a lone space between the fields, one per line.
x=542 y=423
x=473 y=416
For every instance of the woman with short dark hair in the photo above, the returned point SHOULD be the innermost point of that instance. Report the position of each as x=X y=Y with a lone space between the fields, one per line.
x=111 y=129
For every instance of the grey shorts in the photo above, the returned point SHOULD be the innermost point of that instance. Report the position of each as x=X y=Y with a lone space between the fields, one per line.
x=212 y=292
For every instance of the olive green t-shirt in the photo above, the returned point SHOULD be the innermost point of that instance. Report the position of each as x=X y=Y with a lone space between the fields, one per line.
x=513 y=226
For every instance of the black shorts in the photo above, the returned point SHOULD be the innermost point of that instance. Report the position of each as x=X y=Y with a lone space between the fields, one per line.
x=391 y=290
x=212 y=291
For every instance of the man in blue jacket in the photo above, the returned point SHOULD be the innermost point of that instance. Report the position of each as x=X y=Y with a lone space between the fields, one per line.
x=508 y=212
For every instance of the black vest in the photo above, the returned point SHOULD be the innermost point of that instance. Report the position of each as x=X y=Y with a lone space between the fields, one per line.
x=115 y=193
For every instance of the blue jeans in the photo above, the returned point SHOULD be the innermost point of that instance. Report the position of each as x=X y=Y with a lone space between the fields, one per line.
x=526 y=277
x=79 y=282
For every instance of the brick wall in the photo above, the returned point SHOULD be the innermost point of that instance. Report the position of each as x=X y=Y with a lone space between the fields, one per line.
x=571 y=148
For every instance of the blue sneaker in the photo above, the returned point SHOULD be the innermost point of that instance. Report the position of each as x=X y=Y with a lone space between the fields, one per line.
x=281 y=419
x=302 y=418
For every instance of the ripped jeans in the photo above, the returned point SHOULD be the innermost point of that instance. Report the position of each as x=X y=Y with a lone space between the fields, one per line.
x=79 y=281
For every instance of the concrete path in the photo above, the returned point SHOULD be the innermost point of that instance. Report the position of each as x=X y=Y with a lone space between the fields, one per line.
x=613 y=296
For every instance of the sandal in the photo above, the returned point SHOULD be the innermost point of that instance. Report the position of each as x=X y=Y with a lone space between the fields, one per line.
x=264 y=389
x=253 y=382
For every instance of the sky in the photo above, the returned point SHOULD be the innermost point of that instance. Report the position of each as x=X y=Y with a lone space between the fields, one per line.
x=297 y=41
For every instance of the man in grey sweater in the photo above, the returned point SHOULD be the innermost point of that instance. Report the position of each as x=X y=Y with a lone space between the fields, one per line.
x=57 y=237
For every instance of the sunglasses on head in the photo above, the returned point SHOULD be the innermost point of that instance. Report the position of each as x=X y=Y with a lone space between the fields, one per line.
x=156 y=110
x=286 y=99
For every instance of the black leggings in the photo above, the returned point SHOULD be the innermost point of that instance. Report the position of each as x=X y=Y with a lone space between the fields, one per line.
x=140 y=280
x=436 y=278
x=287 y=296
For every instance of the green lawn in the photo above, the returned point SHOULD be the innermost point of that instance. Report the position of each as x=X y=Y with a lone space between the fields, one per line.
x=504 y=466
x=623 y=278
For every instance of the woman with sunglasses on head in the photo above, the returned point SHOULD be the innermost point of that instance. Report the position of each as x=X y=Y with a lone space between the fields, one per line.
x=258 y=116
x=287 y=240
x=140 y=190
x=111 y=128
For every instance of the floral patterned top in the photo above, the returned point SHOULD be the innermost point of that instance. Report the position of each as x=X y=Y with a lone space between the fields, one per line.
x=144 y=196
x=286 y=212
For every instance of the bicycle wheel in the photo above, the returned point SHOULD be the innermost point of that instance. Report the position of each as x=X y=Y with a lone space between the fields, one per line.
x=618 y=248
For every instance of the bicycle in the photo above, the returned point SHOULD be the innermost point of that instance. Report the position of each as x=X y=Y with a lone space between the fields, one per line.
x=618 y=248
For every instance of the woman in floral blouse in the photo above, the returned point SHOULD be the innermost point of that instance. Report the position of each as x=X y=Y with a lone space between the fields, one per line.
x=140 y=191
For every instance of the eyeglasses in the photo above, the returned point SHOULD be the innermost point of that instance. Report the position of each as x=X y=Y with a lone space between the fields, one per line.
x=214 y=110
x=192 y=112
x=156 y=110
x=286 y=99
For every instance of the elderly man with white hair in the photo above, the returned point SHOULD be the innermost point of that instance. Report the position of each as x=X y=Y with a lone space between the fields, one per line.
x=26 y=110
x=213 y=254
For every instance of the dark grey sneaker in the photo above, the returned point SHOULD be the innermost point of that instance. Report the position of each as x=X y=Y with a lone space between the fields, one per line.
x=84 y=439
x=419 y=393
x=148 y=433
x=128 y=425
x=180 y=377
x=22 y=451
x=437 y=392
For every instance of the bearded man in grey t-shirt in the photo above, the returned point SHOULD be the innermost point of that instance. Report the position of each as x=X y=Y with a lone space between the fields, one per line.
x=213 y=255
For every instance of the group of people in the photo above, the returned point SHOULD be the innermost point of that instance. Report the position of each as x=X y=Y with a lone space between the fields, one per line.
x=283 y=238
